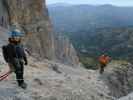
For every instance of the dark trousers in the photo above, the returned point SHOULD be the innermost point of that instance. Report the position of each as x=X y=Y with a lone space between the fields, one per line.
x=102 y=66
x=17 y=66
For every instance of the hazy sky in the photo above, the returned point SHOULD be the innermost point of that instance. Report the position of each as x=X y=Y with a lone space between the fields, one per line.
x=94 y=2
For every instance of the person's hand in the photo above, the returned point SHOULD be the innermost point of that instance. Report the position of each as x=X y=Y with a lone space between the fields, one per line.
x=26 y=63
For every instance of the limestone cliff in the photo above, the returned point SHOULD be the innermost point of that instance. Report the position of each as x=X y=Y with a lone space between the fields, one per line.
x=33 y=18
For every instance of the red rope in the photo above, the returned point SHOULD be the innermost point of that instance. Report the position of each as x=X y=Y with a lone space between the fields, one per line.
x=2 y=77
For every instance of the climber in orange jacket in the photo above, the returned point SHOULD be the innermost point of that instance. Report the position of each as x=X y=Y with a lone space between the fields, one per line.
x=103 y=60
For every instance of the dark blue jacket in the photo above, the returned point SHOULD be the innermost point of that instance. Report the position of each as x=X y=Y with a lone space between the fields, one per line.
x=12 y=51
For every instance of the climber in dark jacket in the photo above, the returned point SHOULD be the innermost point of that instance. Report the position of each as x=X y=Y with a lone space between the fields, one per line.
x=15 y=56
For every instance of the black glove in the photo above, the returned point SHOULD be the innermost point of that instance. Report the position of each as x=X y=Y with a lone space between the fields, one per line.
x=26 y=63
x=25 y=60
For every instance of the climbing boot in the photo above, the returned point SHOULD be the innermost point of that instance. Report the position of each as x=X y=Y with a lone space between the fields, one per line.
x=23 y=85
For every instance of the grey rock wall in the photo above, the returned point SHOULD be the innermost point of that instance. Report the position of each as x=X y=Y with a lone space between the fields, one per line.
x=32 y=17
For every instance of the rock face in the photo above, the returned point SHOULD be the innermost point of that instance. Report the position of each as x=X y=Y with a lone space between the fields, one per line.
x=64 y=51
x=32 y=16
x=4 y=21
x=3 y=36
x=128 y=97
x=118 y=77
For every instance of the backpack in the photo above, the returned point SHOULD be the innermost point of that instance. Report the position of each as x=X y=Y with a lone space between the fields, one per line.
x=104 y=60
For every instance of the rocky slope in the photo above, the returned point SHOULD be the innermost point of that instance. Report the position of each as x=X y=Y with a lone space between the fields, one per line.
x=128 y=97
x=118 y=77
x=32 y=17
x=48 y=80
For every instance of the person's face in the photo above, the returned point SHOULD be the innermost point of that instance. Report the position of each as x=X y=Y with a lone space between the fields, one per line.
x=16 y=39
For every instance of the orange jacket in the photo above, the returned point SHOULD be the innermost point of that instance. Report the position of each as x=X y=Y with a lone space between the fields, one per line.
x=104 y=59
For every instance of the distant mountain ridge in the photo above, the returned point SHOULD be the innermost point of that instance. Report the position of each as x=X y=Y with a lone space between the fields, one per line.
x=61 y=4
x=85 y=17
